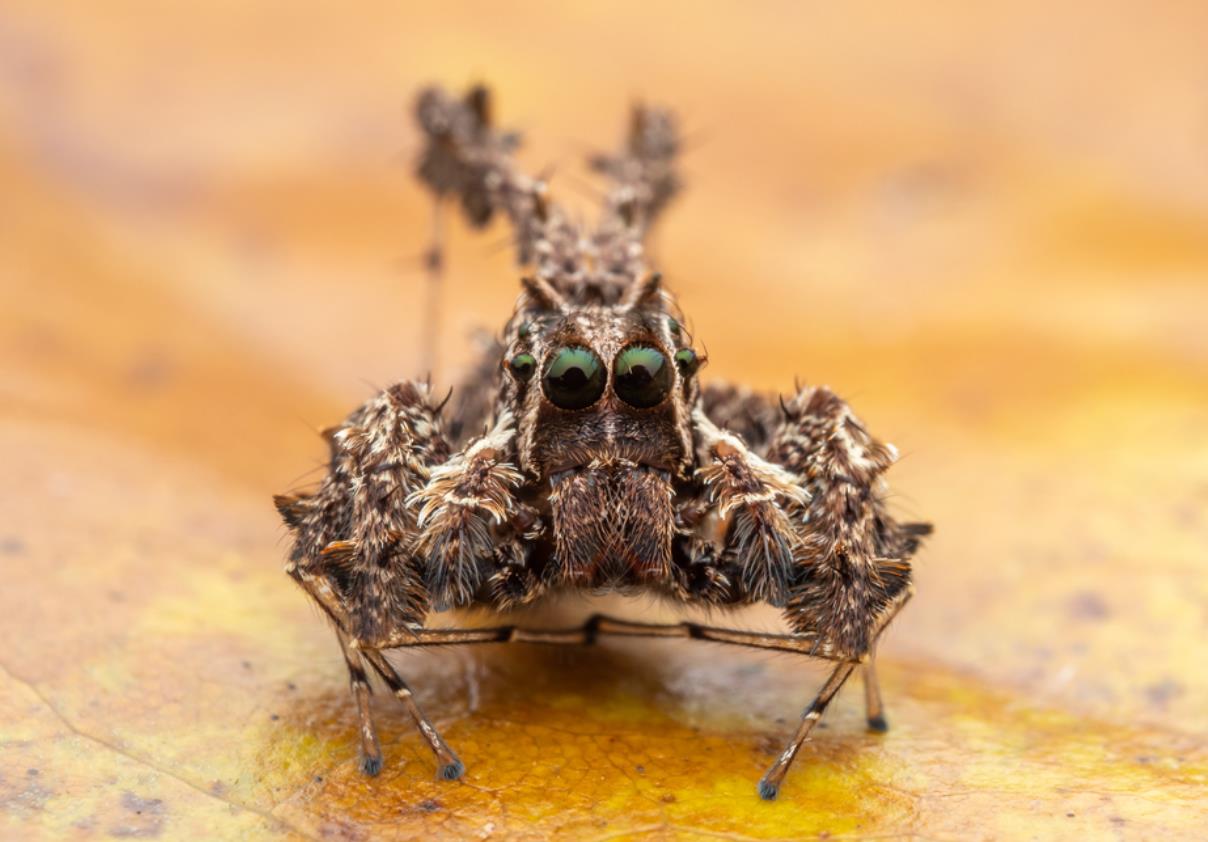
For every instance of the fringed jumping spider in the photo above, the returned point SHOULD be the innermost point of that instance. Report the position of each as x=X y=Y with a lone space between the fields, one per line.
x=585 y=454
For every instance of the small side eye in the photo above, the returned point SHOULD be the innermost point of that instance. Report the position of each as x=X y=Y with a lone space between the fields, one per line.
x=674 y=326
x=643 y=377
x=574 y=378
x=522 y=366
x=687 y=361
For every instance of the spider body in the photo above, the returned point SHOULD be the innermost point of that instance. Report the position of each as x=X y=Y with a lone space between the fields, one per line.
x=584 y=454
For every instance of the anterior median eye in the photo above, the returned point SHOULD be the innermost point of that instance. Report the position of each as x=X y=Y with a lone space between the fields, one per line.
x=574 y=378
x=643 y=377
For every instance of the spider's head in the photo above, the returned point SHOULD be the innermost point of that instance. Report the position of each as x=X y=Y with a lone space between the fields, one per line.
x=600 y=384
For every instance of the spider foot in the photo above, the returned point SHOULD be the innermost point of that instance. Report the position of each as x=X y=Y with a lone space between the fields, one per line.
x=768 y=790
x=453 y=770
x=370 y=765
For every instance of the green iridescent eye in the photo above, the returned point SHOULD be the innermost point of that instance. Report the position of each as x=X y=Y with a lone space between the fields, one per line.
x=687 y=361
x=574 y=378
x=522 y=366
x=643 y=377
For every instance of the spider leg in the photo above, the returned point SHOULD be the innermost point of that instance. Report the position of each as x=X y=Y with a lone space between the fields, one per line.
x=394 y=529
x=769 y=784
x=802 y=644
x=458 y=509
x=856 y=555
x=451 y=768
x=600 y=625
x=321 y=591
x=874 y=709
x=351 y=536
x=371 y=749
x=434 y=263
x=754 y=417
x=809 y=531
x=751 y=505
x=355 y=654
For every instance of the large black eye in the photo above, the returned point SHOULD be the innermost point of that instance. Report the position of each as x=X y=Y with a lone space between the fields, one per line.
x=574 y=378
x=643 y=377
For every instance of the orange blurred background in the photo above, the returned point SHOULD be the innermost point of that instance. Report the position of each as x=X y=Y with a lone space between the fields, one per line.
x=986 y=225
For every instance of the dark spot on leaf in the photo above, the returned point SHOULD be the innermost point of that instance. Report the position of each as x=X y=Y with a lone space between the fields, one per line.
x=1087 y=605
x=1186 y=515
x=142 y=805
x=150 y=372
x=769 y=744
x=145 y=819
x=1162 y=693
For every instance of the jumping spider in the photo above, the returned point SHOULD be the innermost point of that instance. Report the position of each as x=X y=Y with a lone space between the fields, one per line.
x=584 y=454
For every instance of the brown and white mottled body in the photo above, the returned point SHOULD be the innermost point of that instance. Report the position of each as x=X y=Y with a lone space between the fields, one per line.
x=585 y=455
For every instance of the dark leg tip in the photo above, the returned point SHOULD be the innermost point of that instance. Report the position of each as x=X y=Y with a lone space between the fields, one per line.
x=452 y=771
x=768 y=791
x=371 y=766
x=878 y=724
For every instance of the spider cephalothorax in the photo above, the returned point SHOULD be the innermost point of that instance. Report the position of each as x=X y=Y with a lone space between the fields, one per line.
x=584 y=454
